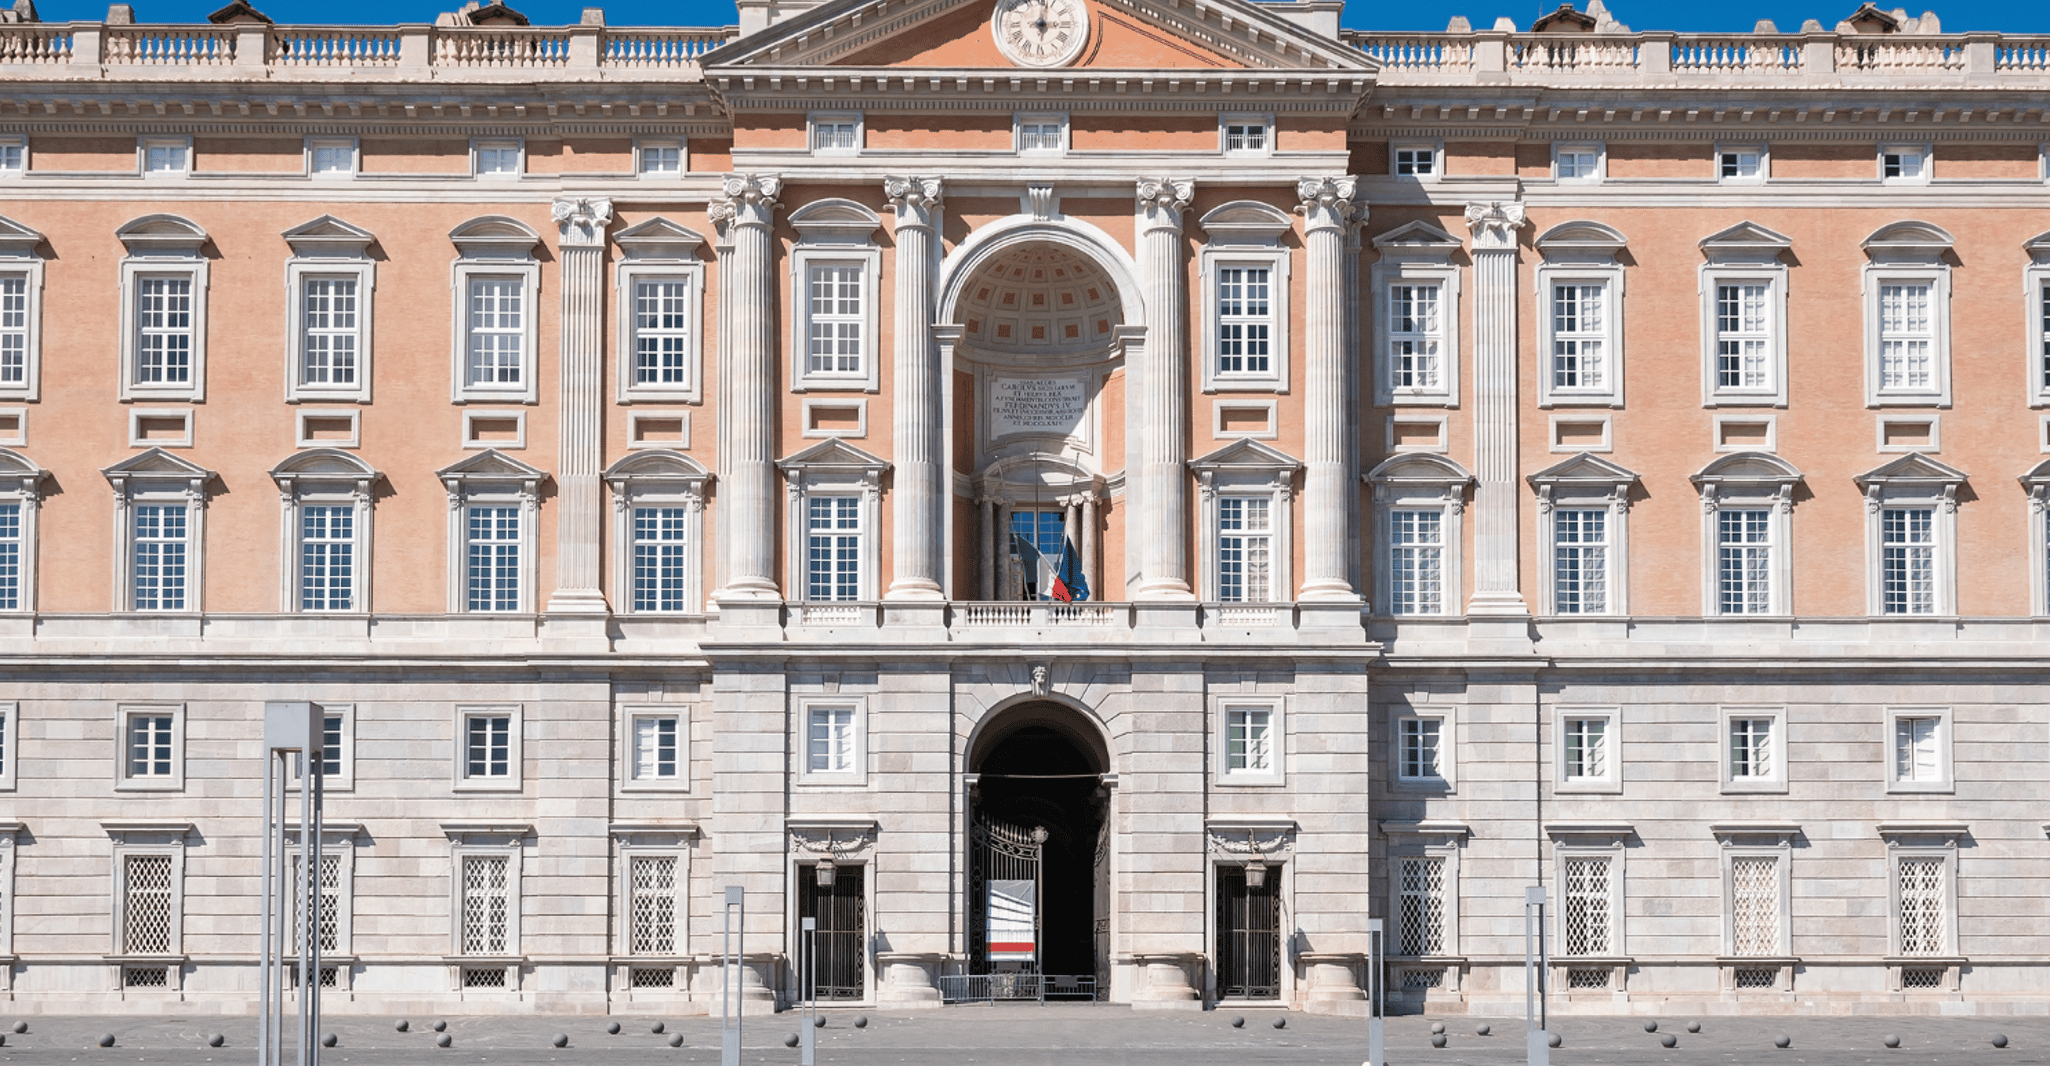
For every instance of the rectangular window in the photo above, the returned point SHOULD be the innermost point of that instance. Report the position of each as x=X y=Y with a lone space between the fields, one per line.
x=333 y=157
x=10 y=561
x=1420 y=907
x=1249 y=740
x=1743 y=336
x=1586 y=749
x=1740 y=164
x=487 y=746
x=1416 y=557
x=661 y=558
x=499 y=158
x=660 y=158
x=1924 y=899
x=1585 y=906
x=1245 y=136
x=1421 y=749
x=2043 y=305
x=327 y=557
x=493 y=565
x=1755 y=905
x=163 y=329
x=1744 y=561
x=829 y=741
x=159 y=557
x=1907 y=546
x=13 y=156
x=656 y=747
x=331 y=735
x=13 y=329
x=1904 y=163
x=1578 y=163
x=166 y=157
x=662 y=345
x=1245 y=320
x=835 y=135
x=1751 y=749
x=329 y=331
x=1416 y=162
x=151 y=742
x=486 y=905
x=497 y=331
x=833 y=548
x=836 y=319
x=1579 y=337
x=1042 y=134
x=654 y=906
x=1907 y=337
x=1415 y=338
x=1245 y=549
x=148 y=905
x=330 y=899
x=1580 y=561
x=1918 y=749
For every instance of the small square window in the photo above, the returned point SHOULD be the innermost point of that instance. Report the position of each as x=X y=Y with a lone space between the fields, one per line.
x=1578 y=162
x=1042 y=133
x=836 y=134
x=13 y=155
x=1416 y=161
x=1589 y=757
x=331 y=158
x=500 y=159
x=166 y=156
x=1907 y=164
x=152 y=747
x=488 y=748
x=658 y=159
x=1740 y=164
x=1754 y=755
x=1248 y=134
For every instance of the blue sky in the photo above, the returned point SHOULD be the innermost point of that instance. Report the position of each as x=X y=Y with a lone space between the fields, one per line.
x=2001 y=15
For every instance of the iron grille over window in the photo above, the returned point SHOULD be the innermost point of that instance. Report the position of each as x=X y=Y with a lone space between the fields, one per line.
x=1587 y=911
x=1755 y=903
x=1421 y=907
x=654 y=906
x=330 y=903
x=1922 y=906
x=485 y=918
x=146 y=907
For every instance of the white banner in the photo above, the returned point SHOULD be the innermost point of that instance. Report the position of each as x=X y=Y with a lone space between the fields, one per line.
x=1011 y=910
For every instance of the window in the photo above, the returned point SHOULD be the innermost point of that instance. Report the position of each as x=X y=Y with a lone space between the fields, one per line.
x=10 y=719
x=329 y=282
x=661 y=289
x=1581 y=332
x=1250 y=744
x=655 y=904
x=1754 y=750
x=492 y=517
x=159 y=553
x=163 y=327
x=331 y=330
x=1416 y=562
x=1756 y=916
x=1245 y=321
x=1905 y=164
x=658 y=158
x=149 y=918
x=1245 y=550
x=836 y=133
x=163 y=337
x=13 y=155
x=1744 y=315
x=661 y=558
x=1922 y=905
x=21 y=310
x=327 y=496
x=1246 y=523
x=1041 y=133
x=1907 y=560
x=1247 y=134
x=329 y=896
x=165 y=156
x=500 y=159
x=833 y=275
x=159 y=531
x=1587 y=906
x=1747 y=501
x=1579 y=162
x=337 y=749
x=494 y=558
x=1244 y=285
x=1740 y=163
x=496 y=289
x=1420 y=750
x=327 y=557
x=487 y=914
x=1420 y=911
x=1920 y=749
x=658 y=546
x=1580 y=338
x=1907 y=315
x=1416 y=161
x=1744 y=563
x=833 y=548
x=830 y=741
x=331 y=157
x=1580 y=561
x=11 y=556
x=1419 y=500
x=1590 y=758
x=1744 y=331
x=1416 y=294
x=152 y=747
x=664 y=351
x=488 y=741
x=14 y=329
x=1911 y=531
x=21 y=486
x=658 y=749
x=836 y=321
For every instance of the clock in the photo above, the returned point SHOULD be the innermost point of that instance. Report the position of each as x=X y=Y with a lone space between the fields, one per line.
x=1041 y=33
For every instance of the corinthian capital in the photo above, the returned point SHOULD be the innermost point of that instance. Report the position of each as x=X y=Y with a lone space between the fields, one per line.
x=745 y=200
x=1327 y=203
x=1164 y=199
x=582 y=219
x=916 y=199
x=1494 y=224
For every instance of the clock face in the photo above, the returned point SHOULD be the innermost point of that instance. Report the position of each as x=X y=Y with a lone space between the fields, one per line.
x=1041 y=33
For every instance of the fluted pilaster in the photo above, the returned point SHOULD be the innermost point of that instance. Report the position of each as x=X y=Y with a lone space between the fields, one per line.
x=1494 y=227
x=1330 y=390
x=918 y=493
x=578 y=505
x=1159 y=391
x=745 y=214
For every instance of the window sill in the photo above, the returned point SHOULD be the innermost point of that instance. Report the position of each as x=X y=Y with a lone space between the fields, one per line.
x=1422 y=398
x=488 y=786
x=1435 y=785
x=1739 y=788
x=1248 y=780
x=852 y=383
x=659 y=787
x=828 y=782
x=1924 y=788
x=1222 y=383
x=1589 y=788
x=520 y=396
x=150 y=786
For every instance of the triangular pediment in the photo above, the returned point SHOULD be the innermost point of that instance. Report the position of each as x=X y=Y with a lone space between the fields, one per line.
x=1418 y=237
x=1584 y=469
x=1246 y=455
x=328 y=236
x=490 y=465
x=659 y=238
x=1913 y=468
x=156 y=463
x=16 y=240
x=833 y=454
x=1151 y=35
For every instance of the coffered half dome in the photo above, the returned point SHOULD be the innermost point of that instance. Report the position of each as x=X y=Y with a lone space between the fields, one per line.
x=1041 y=298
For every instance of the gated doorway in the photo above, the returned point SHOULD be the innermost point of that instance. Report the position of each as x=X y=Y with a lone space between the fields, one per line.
x=842 y=932
x=1248 y=934
x=1038 y=856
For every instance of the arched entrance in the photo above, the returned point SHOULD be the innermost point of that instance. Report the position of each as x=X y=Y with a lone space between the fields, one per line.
x=1038 y=862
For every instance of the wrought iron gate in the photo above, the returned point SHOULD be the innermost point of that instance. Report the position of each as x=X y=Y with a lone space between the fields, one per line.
x=999 y=852
x=1101 y=926
x=842 y=931
x=1248 y=936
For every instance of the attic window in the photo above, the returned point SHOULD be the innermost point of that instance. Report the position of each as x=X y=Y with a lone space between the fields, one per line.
x=1417 y=161
x=1740 y=163
x=1904 y=163
x=499 y=159
x=835 y=134
x=1248 y=134
x=166 y=155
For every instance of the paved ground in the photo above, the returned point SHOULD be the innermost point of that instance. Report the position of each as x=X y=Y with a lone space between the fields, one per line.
x=1070 y=1035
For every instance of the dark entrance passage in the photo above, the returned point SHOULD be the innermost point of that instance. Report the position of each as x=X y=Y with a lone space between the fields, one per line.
x=1248 y=935
x=840 y=913
x=1040 y=768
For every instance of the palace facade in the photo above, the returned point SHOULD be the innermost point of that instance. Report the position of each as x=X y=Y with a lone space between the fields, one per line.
x=1553 y=455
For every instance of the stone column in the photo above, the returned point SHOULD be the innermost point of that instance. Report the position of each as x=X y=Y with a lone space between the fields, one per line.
x=1159 y=394
x=1495 y=588
x=745 y=213
x=918 y=494
x=987 y=539
x=1087 y=546
x=1330 y=391
x=579 y=512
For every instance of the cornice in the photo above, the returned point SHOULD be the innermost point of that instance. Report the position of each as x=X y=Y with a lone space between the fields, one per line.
x=784 y=89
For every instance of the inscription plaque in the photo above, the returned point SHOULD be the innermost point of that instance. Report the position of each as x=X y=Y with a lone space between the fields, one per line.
x=1051 y=407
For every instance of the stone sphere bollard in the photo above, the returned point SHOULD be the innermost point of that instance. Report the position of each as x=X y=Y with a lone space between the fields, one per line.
x=676 y=1040
x=21 y=1027
x=1281 y=1023
x=1999 y=1040
x=1693 y=1027
x=329 y=1040
x=790 y=1040
x=612 y=1027
x=440 y=1026
x=1783 y=1040
x=106 y=1039
x=1892 y=1040
x=1437 y=1039
x=1556 y=1040
x=402 y=1025
x=216 y=1040
x=1238 y=1021
x=1437 y=1027
x=861 y=1021
x=657 y=1028
x=560 y=1040
x=1668 y=1040
x=1483 y=1029
x=444 y=1040
x=1651 y=1026
x=819 y=1021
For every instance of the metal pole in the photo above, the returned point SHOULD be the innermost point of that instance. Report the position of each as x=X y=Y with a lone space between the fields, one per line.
x=729 y=975
x=1535 y=965
x=305 y=908
x=266 y=978
x=317 y=782
x=1376 y=1043
x=809 y=1049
